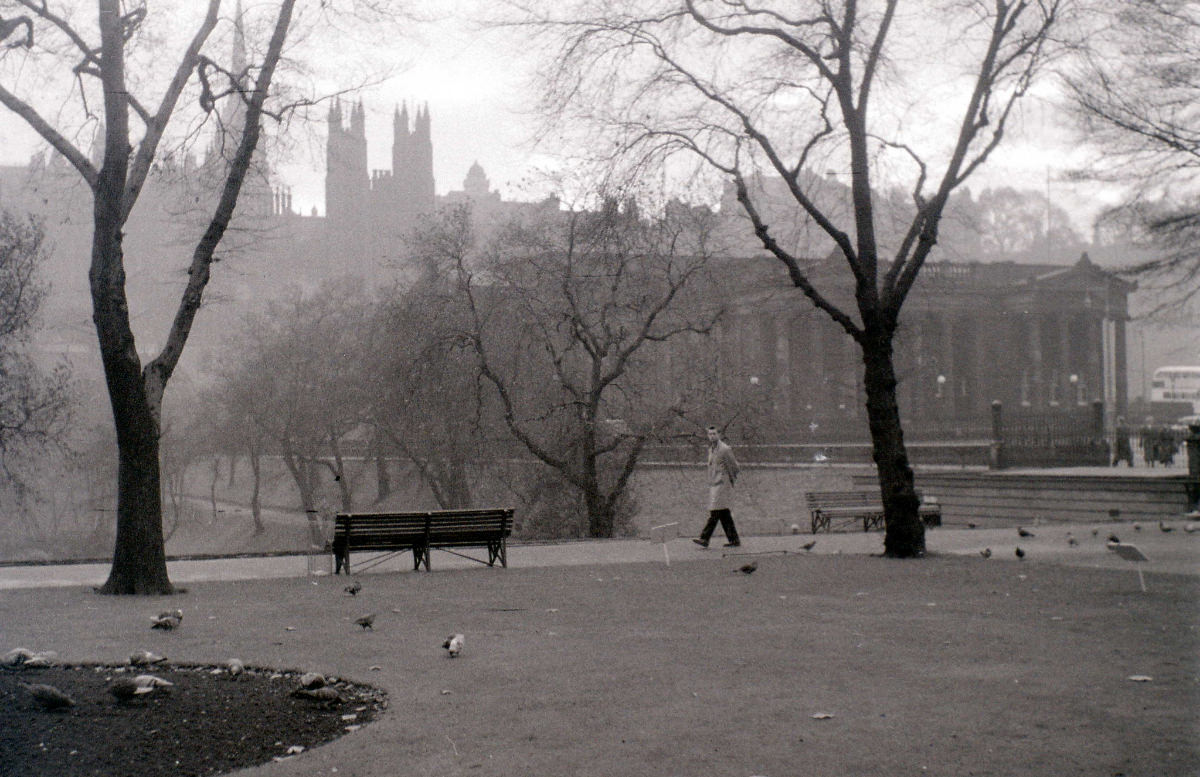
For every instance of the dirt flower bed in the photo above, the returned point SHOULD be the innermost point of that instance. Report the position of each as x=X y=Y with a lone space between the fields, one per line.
x=208 y=722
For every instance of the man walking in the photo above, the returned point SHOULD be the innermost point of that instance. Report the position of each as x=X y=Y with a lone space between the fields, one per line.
x=722 y=474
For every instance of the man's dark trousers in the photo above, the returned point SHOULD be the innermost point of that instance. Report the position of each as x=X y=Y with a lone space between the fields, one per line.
x=726 y=519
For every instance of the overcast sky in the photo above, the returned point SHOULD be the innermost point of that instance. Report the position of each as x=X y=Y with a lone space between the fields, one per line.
x=478 y=86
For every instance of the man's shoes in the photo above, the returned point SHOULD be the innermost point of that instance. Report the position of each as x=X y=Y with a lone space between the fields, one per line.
x=701 y=543
x=733 y=544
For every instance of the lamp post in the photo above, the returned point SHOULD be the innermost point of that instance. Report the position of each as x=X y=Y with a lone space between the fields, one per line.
x=1076 y=389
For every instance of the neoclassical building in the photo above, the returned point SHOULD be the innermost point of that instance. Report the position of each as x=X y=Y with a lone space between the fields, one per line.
x=1037 y=338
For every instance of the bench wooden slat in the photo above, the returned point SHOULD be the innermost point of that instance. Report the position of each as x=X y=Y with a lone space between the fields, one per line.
x=418 y=532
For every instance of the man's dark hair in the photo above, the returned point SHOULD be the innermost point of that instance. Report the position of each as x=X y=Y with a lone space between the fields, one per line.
x=712 y=428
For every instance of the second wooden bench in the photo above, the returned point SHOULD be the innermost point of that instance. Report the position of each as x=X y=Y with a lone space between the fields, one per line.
x=867 y=506
x=420 y=532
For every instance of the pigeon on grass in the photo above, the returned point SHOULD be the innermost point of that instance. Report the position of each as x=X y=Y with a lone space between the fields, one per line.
x=454 y=644
x=167 y=621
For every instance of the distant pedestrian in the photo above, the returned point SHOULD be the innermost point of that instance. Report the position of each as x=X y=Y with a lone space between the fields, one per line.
x=1123 y=450
x=722 y=474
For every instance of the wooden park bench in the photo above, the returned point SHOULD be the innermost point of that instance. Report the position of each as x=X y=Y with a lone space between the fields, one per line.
x=853 y=506
x=420 y=532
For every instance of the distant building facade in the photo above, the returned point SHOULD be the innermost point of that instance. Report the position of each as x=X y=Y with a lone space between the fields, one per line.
x=1036 y=338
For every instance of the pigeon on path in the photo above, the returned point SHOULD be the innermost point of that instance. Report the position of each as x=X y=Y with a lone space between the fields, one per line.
x=1020 y=553
x=748 y=569
x=1022 y=532
x=809 y=545
x=48 y=697
x=986 y=552
x=367 y=621
x=454 y=644
x=353 y=588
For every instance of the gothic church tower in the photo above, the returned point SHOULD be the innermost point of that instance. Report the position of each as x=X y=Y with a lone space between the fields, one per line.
x=368 y=212
x=346 y=179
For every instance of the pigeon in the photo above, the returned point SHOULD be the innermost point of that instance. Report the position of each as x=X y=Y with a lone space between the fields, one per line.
x=235 y=667
x=1137 y=527
x=16 y=658
x=125 y=689
x=354 y=588
x=167 y=620
x=1114 y=539
x=748 y=569
x=326 y=695
x=809 y=545
x=1095 y=532
x=1020 y=553
x=151 y=683
x=1164 y=528
x=1021 y=532
x=48 y=697
x=40 y=660
x=1072 y=541
x=312 y=680
x=454 y=644
x=367 y=621
x=145 y=658
x=970 y=525
x=986 y=552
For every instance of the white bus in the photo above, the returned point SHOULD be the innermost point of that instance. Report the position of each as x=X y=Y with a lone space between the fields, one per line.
x=1176 y=385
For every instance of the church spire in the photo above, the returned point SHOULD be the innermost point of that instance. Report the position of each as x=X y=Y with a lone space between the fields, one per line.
x=238 y=59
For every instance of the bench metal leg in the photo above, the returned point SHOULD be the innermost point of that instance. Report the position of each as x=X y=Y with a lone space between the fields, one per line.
x=496 y=552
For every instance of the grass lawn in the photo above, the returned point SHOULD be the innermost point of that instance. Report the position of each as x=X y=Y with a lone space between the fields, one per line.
x=944 y=666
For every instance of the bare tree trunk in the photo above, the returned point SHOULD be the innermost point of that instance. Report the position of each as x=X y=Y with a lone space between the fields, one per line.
x=383 y=478
x=212 y=484
x=255 y=505
x=139 y=559
x=904 y=533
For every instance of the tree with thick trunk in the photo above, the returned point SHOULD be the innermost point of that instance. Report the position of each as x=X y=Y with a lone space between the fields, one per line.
x=136 y=390
x=757 y=89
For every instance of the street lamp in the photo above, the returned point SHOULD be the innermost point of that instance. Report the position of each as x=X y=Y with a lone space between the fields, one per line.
x=1076 y=388
x=941 y=385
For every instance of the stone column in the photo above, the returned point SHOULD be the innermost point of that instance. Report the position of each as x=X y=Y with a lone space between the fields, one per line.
x=1120 y=370
x=1037 y=394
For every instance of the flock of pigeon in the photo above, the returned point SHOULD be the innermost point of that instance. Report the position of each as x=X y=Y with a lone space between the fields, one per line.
x=126 y=687
x=453 y=644
x=1111 y=541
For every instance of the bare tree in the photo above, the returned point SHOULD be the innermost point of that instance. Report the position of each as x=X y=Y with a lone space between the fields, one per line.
x=566 y=319
x=746 y=87
x=68 y=49
x=35 y=403
x=427 y=402
x=297 y=384
x=1137 y=95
